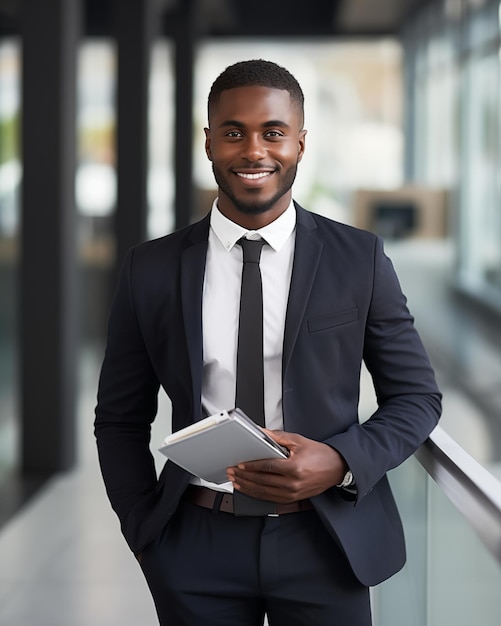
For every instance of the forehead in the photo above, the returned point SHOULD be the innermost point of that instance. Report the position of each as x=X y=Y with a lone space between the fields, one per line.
x=255 y=105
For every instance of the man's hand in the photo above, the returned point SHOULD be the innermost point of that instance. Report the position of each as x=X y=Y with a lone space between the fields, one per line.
x=311 y=468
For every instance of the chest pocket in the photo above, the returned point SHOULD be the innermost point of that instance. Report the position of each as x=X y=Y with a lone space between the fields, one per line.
x=326 y=322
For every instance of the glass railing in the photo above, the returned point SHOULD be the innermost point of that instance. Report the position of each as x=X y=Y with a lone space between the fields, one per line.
x=451 y=509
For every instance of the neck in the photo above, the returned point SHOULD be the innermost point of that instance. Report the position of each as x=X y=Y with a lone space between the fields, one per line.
x=253 y=221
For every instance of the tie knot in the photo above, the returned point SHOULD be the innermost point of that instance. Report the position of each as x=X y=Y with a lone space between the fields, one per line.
x=251 y=249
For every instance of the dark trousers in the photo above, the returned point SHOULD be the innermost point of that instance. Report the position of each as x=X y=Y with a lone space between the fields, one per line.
x=214 y=569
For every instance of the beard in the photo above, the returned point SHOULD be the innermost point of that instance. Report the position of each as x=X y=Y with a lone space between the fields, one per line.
x=255 y=207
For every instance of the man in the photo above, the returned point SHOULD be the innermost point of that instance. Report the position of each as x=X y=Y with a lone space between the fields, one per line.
x=328 y=528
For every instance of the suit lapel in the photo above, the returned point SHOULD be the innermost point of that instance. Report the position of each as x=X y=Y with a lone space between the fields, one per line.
x=306 y=258
x=192 y=279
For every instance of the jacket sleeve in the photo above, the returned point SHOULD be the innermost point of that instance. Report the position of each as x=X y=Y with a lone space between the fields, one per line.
x=126 y=407
x=409 y=402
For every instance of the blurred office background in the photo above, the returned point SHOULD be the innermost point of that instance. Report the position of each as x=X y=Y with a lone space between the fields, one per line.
x=102 y=109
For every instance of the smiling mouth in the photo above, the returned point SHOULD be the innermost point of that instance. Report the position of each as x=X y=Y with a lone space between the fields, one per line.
x=255 y=176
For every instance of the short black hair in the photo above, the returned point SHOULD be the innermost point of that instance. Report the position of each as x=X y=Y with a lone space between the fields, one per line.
x=257 y=73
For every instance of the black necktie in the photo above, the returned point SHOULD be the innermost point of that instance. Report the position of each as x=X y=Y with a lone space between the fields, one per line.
x=250 y=376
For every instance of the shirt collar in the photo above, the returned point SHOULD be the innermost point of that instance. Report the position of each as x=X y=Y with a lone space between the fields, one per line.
x=275 y=234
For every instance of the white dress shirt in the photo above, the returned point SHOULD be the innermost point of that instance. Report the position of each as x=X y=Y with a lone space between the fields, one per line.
x=220 y=312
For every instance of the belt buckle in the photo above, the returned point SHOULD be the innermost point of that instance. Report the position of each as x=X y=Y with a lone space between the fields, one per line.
x=275 y=514
x=244 y=505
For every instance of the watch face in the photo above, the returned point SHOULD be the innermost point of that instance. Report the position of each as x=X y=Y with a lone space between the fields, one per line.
x=348 y=479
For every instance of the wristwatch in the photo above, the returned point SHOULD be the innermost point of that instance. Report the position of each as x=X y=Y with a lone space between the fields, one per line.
x=347 y=480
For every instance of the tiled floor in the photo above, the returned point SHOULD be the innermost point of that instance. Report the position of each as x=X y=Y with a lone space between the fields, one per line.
x=62 y=559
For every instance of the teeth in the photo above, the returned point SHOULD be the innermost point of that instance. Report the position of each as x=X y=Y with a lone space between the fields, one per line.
x=253 y=176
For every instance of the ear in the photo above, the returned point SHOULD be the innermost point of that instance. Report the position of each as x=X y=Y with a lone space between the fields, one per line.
x=207 y=143
x=302 y=141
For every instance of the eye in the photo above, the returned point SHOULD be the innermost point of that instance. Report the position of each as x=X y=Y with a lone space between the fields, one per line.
x=273 y=134
x=234 y=134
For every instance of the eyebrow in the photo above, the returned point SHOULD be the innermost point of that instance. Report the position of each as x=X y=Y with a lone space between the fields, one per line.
x=269 y=124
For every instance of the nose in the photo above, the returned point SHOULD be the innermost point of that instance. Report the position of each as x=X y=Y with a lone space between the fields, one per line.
x=253 y=148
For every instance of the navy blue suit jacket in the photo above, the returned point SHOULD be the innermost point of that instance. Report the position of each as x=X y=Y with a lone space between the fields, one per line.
x=345 y=307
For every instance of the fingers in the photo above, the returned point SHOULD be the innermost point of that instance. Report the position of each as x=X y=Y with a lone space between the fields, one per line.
x=258 y=473
x=264 y=486
x=265 y=480
x=311 y=468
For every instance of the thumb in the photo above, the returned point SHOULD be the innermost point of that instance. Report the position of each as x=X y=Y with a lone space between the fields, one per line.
x=288 y=440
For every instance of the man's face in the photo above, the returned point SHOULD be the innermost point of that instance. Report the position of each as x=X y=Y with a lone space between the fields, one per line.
x=255 y=142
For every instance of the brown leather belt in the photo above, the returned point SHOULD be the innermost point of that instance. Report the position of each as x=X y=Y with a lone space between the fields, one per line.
x=221 y=501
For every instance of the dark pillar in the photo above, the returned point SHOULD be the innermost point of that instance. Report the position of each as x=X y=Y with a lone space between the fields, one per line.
x=184 y=39
x=409 y=122
x=48 y=326
x=134 y=28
